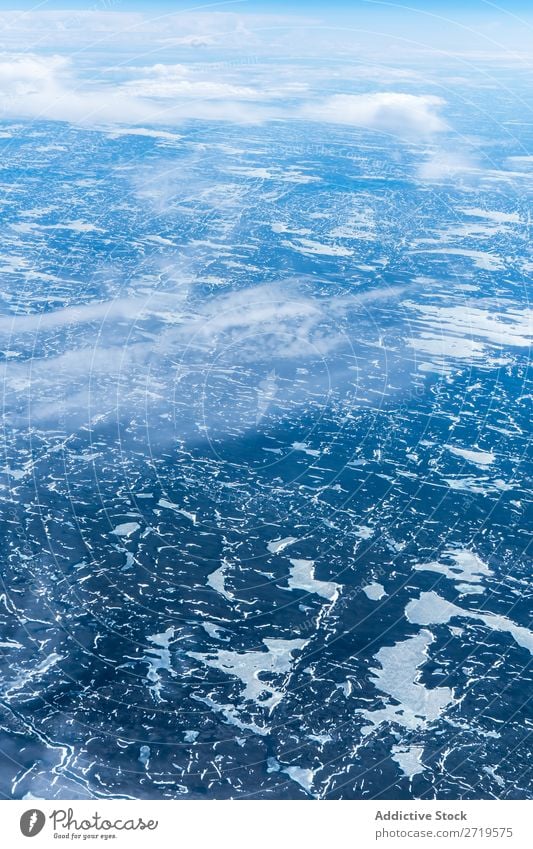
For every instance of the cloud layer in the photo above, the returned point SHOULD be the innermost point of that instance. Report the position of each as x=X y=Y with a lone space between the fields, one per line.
x=130 y=347
x=51 y=87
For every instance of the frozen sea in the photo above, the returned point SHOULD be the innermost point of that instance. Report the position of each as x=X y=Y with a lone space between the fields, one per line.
x=263 y=479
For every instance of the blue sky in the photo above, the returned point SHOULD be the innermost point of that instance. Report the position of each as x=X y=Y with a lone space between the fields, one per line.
x=347 y=7
x=326 y=28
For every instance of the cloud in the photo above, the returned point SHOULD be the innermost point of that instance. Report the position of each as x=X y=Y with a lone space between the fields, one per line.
x=177 y=86
x=129 y=309
x=49 y=87
x=90 y=373
x=390 y=112
x=46 y=87
x=444 y=165
x=31 y=74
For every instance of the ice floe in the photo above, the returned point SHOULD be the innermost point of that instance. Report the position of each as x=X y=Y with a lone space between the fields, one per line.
x=479 y=458
x=374 y=591
x=303 y=777
x=126 y=529
x=467 y=568
x=217 y=580
x=170 y=506
x=303 y=446
x=247 y=666
x=278 y=545
x=397 y=675
x=158 y=658
x=408 y=759
x=431 y=609
x=302 y=577
x=463 y=332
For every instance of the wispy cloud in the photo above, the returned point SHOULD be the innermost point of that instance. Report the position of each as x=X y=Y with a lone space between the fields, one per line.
x=284 y=322
x=442 y=165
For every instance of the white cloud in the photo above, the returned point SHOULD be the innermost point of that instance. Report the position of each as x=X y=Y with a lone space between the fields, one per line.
x=49 y=87
x=176 y=86
x=39 y=87
x=444 y=165
x=45 y=87
x=390 y=112
x=140 y=341
x=121 y=308
x=31 y=74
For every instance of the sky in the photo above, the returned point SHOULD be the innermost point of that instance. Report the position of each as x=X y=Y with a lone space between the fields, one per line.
x=278 y=5
x=361 y=64
x=346 y=8
x=446 y=25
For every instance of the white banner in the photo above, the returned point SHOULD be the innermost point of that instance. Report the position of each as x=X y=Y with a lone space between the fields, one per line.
x=254 y=825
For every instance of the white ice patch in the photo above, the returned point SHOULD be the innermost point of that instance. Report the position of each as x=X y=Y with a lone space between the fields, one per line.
x=408 y=759
x=481 y=259
x=303 y=446
x=492 y=215
x=509 y=328
x=490 y=770
x=170 y=506
x=231 y=715
x=303 y=777
x=77 y=226
x=142 y=131
x=82 y=227
x=158 y=658
x=363 y=531
x=463 y=332
x=287 y=175
x=126 y=530
x=247 y=666
x=479 y=485
x=213 y=630
x=144 y=756
x=479 y=458
x=280 y=227
x=432 y=609
x=217 y=580
x=36 y=672
x=445 y=347
x=467 y=568
x=16 y=474
x=468 y=589
x=303 y=578
x=277 y=545
x=374 y=591
x=311 y=248
x=398 y=677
